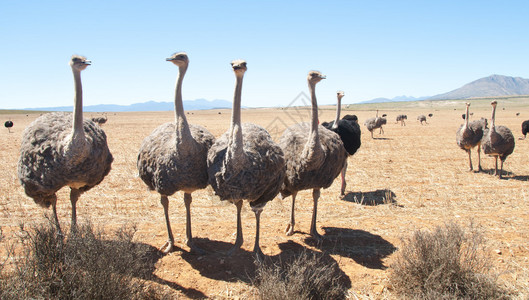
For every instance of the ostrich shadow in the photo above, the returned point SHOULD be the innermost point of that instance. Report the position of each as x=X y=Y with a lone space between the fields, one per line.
x=382 y=138
x=519 y=178
x=372 y=198
x=363 y=247
x=147 y=259
x=242 y=265
x=503 y=174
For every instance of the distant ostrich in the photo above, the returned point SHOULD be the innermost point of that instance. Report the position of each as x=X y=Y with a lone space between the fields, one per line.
x=401 y=119
x=384 y=115
x=430 y=115
x=350 y=134
x=245 y=164
x=422 y=118
x=100 y=120
x=173 y=158
x=374 y=123
x=314 y=157
x=8 y=125
x=498 y=141
x=469 y=136
x=61 y=149
x=525 y=129
x=517 y=114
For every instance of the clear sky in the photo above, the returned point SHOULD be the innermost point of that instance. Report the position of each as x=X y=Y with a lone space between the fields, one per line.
x=369 y=49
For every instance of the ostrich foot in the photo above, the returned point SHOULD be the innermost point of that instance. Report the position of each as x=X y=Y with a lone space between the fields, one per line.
x=290 y=229
x=259 y=255
x=232 y=250
x=316 y=236
x=194 y=248
x=167 y=247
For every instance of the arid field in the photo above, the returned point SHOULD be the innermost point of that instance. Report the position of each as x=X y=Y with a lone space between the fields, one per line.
x=411 y=177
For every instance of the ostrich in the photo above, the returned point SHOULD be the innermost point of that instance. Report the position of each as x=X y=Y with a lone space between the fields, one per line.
x=525 y=129
x=245 y=164
x=422 y=118
x=374 y=123
x=401 y=119
x=469 y=136
x=61 y=149
x=498 y=141
x=314 y=158
x=430 y=115
x=350 y=134
x=100 y=120
x=8 y=125
x=173 y=158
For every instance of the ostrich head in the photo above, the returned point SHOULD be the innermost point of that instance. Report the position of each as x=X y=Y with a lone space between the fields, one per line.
x=494 y=103
x=467 y=104
x=180 y=59
x=239 y=67
x=79 y=63
x=340 y=94
x=315 y=77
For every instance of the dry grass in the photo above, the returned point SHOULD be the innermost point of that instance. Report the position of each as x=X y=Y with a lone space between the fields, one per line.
x=447 y=263
x=414 y=178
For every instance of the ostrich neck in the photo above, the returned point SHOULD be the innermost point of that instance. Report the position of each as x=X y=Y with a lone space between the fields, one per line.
x=338 y=111
x=235 y=142
x=312 y=152
x=466 y=118
x=493 y=119
x=182 y=127
x=78 y=131
x=314 y=113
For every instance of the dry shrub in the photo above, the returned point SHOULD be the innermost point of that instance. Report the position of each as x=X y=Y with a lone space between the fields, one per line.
x=82 y=265
x=308 y=276
x=447 y=263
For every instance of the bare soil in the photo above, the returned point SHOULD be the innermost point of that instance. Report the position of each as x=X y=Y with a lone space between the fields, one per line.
x=411 y=177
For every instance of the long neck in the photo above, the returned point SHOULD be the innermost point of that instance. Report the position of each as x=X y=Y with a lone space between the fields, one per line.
x=314 y=114
x=466 y=117
x=493 y=121
x=78 y=130
x=235 y=143
x=338 y=111
x=182 y=127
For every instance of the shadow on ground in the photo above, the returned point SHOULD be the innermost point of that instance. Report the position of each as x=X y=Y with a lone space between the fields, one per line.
x=241 y=266
x=373 y=198
x=364 y=248
x=150 y=257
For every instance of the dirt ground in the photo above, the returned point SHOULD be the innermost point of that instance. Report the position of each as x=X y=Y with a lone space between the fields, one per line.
x=411 y=177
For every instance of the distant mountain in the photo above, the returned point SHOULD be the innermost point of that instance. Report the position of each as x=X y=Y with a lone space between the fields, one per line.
x=395 y=99
x=198 y=104
x=492 y=86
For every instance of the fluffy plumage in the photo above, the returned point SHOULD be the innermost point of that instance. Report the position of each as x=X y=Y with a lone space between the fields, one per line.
x=173 y=158
x=374 y=123
x=245 y=164
x=46 y=164
x=469 y=135
x=61 y=149
x=498 y=141
x=314 y=157
x=525 y=128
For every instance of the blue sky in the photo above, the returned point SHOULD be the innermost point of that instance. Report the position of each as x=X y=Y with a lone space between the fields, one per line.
x=369 y=49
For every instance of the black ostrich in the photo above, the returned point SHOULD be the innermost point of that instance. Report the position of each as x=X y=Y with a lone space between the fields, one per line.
x=350 y=134
x=8 y=125
x=525 y=129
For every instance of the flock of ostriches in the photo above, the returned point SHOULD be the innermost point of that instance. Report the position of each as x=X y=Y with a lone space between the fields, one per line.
x=63 y=149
